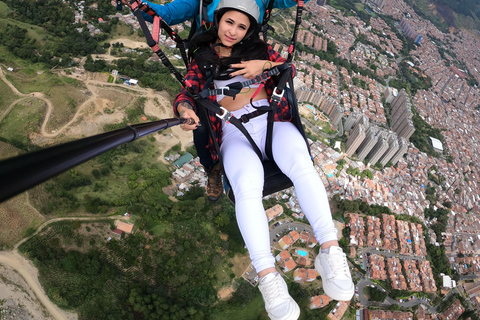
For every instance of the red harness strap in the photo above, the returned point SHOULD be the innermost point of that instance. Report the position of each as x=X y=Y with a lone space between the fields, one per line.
x=156 y=28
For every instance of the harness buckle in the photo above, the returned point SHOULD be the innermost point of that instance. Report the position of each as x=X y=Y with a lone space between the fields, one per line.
x=225 y=116
x=223 y=90
x=277 y=96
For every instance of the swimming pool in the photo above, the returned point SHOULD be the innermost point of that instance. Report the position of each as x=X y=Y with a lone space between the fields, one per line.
x=302 y=253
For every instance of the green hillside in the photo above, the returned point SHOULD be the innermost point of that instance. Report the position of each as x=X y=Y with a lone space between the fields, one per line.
x=445 y=14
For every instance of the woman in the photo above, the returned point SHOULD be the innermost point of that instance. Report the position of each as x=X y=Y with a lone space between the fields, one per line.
x=234 y=43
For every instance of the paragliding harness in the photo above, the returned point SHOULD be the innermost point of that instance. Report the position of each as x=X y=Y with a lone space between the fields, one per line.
x=275 y=180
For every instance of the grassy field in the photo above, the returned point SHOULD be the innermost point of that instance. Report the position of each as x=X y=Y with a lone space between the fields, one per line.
x=159 y=229
x=126 y=31
x=65 y=93
x=15 y=213
x=33 y=31
x=19 y=216
x=4 y=10
x=23 y=119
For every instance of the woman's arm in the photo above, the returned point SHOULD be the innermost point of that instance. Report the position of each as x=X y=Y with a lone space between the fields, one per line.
x=276 y=57
x=252 y=68
x=184 y=104
x=282 y=4
x=175 y=12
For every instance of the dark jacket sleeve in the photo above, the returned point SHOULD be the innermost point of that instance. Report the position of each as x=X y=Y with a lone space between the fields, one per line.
x=196 y=79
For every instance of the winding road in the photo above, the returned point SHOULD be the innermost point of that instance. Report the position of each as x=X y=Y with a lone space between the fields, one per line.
x=93 y=87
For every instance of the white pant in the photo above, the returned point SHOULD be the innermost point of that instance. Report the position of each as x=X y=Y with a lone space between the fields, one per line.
x=245 y=173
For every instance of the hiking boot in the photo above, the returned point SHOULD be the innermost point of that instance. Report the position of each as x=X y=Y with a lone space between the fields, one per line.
x=214 y=183
x=278 y=303
x=336 y=277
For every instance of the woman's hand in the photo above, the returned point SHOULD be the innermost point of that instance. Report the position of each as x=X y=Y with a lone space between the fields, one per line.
x=251 y=69
x=186 y=111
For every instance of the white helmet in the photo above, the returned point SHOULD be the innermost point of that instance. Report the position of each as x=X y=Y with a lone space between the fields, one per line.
x=249 y=7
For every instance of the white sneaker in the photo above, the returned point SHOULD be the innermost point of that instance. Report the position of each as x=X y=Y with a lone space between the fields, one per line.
x=336 y=277
x=278 y=303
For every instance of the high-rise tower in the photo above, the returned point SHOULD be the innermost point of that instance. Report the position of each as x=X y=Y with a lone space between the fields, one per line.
x=393 y=147
x=368 y=143
x=357 y=135
x=379 y=148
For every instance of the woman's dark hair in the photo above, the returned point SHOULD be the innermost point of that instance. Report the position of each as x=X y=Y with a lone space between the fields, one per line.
x=200 y=49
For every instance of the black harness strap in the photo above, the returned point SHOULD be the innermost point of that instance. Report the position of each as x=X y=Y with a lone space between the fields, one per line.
x=153 y=38
x=266 y=18
x=234 y=88
x=280 y=90
x=225 y=115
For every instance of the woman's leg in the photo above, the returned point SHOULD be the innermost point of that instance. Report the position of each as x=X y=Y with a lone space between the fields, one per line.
x=244 y=171
x=291 y=155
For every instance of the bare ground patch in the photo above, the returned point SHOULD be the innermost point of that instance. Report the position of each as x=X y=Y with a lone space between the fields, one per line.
x=94 y=118
x=130 y=43
x=240 y=263
x=18 y=299
x=225 y=293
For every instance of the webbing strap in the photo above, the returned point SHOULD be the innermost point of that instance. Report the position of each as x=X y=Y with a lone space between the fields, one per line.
x=279 y=91
x=298 y=21
x=234 y=88
x=156 y=28
x=266 y=17
x=154 y=44
x=158 y=23
x=225 y=115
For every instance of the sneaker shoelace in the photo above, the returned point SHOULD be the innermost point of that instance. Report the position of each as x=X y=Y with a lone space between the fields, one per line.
x=338 y=265
x=272 y=290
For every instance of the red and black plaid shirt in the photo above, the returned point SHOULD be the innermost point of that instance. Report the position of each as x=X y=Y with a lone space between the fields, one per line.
x=196 y=77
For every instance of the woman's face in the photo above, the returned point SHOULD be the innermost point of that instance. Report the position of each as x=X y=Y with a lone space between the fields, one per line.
x=233 y=26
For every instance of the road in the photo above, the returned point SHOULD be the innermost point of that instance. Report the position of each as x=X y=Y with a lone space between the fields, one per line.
x=388 y=301
x=30 y=274
x=284 y=228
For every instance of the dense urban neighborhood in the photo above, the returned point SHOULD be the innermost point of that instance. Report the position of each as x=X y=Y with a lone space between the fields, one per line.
x=390 y=103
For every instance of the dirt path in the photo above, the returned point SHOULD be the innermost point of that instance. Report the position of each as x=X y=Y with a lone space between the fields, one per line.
x=29 y=272
x=2 y=76
x=94 y=86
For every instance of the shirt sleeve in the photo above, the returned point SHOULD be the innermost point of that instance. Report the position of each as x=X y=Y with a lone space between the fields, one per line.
x=276 y=57
x=175 y=12
x=195 y=77
x=283 y=4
